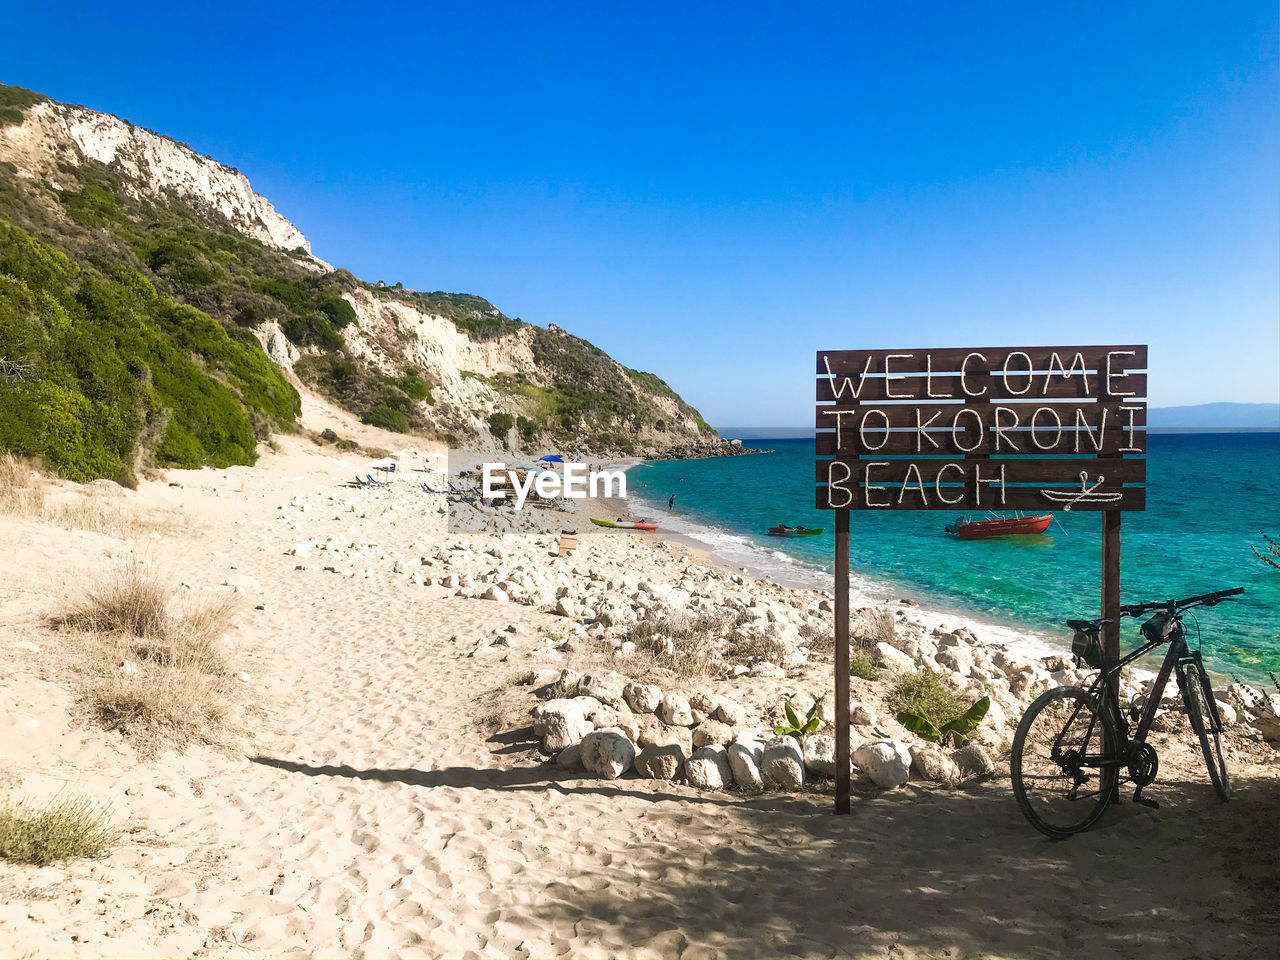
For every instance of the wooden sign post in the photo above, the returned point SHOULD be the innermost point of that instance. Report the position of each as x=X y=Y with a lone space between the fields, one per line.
x=1026 y=428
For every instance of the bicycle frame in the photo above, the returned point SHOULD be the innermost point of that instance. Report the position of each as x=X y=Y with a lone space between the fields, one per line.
x=1177 y=654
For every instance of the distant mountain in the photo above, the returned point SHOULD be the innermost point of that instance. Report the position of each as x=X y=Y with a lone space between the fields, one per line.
x=1221 y=416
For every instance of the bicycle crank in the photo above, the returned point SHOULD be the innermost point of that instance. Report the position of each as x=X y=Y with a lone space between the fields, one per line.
x=1143 y=765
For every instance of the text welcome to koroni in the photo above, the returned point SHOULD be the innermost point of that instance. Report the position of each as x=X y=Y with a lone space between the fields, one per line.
x=1037 y=428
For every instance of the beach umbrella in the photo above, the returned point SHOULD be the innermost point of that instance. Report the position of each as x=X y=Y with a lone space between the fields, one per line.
x=551 y=458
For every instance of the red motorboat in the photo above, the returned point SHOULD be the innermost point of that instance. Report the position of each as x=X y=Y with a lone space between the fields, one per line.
x=966 y=529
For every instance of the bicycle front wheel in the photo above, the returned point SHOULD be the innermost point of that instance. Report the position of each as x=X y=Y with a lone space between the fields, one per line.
x=1063 y=765
x=1202 y=711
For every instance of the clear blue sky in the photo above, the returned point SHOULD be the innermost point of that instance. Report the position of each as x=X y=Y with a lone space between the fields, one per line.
x=714 y=191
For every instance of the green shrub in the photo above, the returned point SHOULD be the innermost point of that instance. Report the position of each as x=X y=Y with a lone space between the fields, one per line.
x=500 y=424
x=112 y=361
x=414 y=387
x=863 y=667
x=387 y=418
x=93 y=206
x=338 y=310
x=927 y=708
x=64 y=828
x=795 y=727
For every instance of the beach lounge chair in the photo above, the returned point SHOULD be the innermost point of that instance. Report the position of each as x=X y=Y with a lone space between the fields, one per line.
x=372 y=482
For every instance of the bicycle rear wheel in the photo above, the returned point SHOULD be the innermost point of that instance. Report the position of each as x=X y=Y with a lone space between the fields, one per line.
x=1202 y=711
x=1063 y=763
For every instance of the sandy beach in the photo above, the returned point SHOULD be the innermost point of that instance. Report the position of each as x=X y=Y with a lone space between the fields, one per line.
x=381 y=791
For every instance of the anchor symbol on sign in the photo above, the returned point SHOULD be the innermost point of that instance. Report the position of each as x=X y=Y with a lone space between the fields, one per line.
x=1087 y=493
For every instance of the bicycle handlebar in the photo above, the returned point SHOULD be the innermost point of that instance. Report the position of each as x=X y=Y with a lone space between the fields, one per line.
x=1173 y=606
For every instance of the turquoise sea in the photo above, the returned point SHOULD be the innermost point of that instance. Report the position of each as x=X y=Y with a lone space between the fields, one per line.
x=1208 y=498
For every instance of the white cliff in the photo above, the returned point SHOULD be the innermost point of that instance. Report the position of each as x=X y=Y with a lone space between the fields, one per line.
x=53 y=133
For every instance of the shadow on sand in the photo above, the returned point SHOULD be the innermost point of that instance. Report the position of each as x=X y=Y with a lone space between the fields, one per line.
x=912 y=872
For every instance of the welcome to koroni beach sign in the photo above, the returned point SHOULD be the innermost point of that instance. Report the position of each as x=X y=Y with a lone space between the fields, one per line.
x=1026 y=428
x=996 y=428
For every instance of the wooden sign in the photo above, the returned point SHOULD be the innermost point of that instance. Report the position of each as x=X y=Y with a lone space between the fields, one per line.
x=1028 y=428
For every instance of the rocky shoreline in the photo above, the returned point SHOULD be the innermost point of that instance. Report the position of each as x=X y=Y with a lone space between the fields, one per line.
x=700 y=450
x=671 y=668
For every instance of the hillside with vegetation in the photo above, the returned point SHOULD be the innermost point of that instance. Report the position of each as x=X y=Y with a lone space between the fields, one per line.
x=154 y=310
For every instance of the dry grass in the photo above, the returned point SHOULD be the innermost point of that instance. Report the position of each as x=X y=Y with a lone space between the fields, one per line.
x=61 y=829
x=20 y=494
x=871 y=627
x=163 y=707
x=26 y=492
x=819 y=635
x=756 y=647
x=687 y=646
x=131 y=600
x=158 y=675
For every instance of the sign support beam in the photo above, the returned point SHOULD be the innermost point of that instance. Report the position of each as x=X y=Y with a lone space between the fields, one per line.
x=1111 y=583
x=842 y=661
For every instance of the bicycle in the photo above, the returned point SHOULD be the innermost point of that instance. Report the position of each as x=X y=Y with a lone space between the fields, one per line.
x=1074 y=742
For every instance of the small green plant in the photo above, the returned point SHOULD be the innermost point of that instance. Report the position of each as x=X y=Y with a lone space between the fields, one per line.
x=793 y=727
x=863 y=667
x=64 y=828
x=955 y=731
x=928 y=709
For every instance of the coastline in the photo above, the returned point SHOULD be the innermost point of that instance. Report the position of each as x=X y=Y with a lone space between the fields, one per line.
x=738 y=553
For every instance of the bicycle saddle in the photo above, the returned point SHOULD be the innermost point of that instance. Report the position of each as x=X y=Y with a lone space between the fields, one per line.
x=1089 y=626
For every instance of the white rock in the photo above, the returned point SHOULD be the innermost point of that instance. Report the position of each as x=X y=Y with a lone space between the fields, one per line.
x=675 y=710
x=929 y=762
x=642 y=697
x=606 y=687
x=496 y=593
x=973 y=761
x=862 y=715
x=827 y=709
x=559 y=723
x=607 y=754
x=570 y=758
x=708 y=768
x=730 y=712
x=711 y=732
x=782 y=764
x=661 y=761
x=894 y=659
x=745 y=758
x=820 y=755
x=887 y=763
x=1226 y=711
x=566 y=685
x=956 y=659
